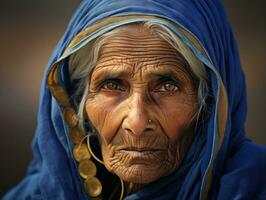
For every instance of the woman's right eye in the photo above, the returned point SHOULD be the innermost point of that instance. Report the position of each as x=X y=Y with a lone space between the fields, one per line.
x=112 y=85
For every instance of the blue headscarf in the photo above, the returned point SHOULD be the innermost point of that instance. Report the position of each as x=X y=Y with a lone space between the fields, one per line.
x=221 y=163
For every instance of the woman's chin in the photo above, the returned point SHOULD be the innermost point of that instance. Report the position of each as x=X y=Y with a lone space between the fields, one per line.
x=140 y=173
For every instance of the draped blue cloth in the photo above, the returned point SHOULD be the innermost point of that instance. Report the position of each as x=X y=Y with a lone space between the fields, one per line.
x=238 y=169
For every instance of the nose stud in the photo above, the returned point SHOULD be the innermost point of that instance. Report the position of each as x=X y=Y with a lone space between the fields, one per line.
x=149 y=121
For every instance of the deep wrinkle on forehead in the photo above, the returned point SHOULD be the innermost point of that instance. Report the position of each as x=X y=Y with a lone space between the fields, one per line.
x=129 y=72
x=139 y=64
x=135 y=51
x=136 y=41
x=141 y=47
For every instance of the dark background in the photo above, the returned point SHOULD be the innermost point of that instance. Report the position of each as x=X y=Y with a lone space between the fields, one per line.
x=30 y=29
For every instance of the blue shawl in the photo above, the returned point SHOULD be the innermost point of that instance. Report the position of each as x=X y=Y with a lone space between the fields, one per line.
x=221 y=163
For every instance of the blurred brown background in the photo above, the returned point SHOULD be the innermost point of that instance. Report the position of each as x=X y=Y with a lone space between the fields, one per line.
x=29 y=31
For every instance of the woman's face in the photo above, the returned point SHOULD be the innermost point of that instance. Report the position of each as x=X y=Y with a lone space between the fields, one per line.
x=141 y=102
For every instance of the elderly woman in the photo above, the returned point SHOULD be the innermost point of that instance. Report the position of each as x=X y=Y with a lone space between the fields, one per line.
x=144 y=100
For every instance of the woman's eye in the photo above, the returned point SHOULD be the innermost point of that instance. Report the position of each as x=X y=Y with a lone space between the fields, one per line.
x=112 y=85
x=167 y=87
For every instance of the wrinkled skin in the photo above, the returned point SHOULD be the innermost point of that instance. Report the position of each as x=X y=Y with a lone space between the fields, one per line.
x=139 y=77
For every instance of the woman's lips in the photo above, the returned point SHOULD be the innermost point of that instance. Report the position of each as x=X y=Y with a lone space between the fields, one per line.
x=139 y=149
x=142 y=156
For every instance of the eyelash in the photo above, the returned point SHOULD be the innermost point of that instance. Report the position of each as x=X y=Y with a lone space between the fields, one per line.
x=163 y=84
x=116 y=82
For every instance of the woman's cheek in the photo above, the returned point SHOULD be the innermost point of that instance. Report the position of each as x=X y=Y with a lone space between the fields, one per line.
x=96 y=110
x=101 y=112
x=177 y=119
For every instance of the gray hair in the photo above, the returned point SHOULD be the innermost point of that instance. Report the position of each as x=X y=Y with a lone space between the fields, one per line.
x=82 y=63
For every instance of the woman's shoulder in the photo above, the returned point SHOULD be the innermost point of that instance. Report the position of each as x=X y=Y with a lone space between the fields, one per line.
x=244 y=175
x=247 y=156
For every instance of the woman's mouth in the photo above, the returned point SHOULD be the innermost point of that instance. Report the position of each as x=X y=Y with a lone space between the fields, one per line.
x=142 y=156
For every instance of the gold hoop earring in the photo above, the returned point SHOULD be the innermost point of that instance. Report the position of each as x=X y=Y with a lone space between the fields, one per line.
x=91 y=152
x=95 y=157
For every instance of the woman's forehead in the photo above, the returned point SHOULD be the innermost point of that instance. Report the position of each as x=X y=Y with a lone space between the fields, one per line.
x=142 y=45
x=138 y=50
x=142 y=70
x=148 y=63
x=133 y=45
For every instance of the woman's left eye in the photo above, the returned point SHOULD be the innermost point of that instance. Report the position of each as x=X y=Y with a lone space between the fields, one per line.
x=167 y=87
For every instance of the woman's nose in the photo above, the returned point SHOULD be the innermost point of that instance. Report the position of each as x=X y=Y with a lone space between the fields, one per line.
x=139 y=116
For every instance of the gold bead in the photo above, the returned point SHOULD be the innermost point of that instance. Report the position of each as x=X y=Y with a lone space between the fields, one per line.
x=76 y=135
x=81 y=152
x=93 y=186
x=87 y=169
x=70 y=117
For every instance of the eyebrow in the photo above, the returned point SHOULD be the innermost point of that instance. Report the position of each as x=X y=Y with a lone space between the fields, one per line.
x=164 y=72
x=165 y=75
x=109 y=74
